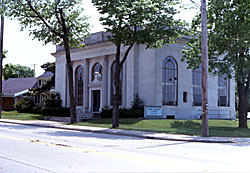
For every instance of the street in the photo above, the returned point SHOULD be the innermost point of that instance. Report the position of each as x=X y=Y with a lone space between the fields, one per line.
x=25 y=149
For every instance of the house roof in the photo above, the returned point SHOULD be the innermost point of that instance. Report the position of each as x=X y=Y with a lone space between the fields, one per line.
x=16 y=85
x=46 y=74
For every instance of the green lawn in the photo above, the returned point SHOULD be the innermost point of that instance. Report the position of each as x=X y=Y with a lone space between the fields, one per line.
x=227 y=128
x=20 y=116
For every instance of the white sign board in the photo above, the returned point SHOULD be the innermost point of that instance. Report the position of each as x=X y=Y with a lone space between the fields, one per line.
x=154 y=111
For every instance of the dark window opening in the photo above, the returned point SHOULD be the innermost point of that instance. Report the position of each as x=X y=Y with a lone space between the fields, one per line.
x=184 y=97
x=96 y=95
x=171 y=117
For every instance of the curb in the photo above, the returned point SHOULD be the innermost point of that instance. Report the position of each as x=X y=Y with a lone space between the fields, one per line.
x=120 y=132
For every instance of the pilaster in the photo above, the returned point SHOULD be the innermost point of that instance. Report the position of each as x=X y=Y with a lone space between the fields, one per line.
x=86 y=86
x=104 y=95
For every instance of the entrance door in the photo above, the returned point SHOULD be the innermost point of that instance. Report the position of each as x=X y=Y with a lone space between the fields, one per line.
x=96 y=100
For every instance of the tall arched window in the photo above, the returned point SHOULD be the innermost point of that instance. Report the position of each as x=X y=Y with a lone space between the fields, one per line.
x=223 y=90
x=97 y=72
x=197 y=86
x=169 y=81
x=79 y=86
x=113 y=84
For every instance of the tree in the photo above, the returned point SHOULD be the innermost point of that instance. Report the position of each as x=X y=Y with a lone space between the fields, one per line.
x=147 y=22
x=48 y=84
x=59 y=22
x=1 y=54
x=49 y=66
x=228 y=39
x=17 y=71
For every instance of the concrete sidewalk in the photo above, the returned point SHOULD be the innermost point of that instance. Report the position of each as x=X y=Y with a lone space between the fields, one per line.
x=132 y=133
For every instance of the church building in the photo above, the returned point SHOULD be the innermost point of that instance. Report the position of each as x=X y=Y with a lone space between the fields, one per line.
x=161 y=79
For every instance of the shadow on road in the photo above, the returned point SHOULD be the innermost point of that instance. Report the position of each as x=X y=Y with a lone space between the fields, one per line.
x=18 y=127
x=54 y=132
x=66 y=133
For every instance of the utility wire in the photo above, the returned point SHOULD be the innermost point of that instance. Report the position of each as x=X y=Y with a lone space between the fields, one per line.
x=196 y=4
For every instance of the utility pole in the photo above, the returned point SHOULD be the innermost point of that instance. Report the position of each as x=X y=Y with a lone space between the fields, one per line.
x=34 y=68
x=1 y=55
x=204 y=56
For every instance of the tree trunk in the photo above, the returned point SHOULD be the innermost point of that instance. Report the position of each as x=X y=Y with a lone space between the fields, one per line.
x=70 y=70
x=71 y=87
x=242 y=107
x=115 y=113
x=1 y=59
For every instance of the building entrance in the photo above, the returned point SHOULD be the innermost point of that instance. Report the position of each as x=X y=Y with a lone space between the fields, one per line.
x=96 y=94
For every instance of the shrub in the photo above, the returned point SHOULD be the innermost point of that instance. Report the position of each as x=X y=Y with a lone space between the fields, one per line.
x=123 y=113
x=137 y=106
x=126 y=113
x=53 y=101
x=48 y=111
x=25 y=105
x=55 y=111
x=136 y=110
x=62 y=112
x=106 y=112
x=138 y=103
x=37 y=110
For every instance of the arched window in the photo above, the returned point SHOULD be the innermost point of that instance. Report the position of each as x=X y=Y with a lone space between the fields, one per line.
x=113 y=84
x=169 y=82
x=79 y=85
x=223 y=90
x=97 y=72
x=197 y=86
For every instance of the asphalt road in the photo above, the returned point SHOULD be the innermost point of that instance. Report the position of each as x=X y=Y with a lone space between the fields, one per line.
x=25 y=149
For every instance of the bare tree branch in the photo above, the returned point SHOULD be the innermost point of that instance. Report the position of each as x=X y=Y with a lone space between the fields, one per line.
x=42 y=19
x=56 y=12
x=126 y=54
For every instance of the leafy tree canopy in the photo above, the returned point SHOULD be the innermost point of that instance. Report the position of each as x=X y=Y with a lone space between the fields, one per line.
x=148 y=22
x=59 y=22
x=49 y=66
x=129 y=22
x=228 y=46
x=17 y=71
x=228 y=38
x=42 y=18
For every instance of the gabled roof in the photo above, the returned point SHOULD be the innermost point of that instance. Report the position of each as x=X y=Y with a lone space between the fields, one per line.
x=46 y=74
x=16 y=85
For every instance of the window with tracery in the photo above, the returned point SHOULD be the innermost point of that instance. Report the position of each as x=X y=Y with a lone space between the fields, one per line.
x=97 y=72
x=197 y=86
x=223 y=90
x=169 y=82
x=79 y=86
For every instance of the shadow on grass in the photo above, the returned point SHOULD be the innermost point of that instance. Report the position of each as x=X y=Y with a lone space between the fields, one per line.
x=185 y=124
x=40 y=117
x=24 y=117
x=108 y=121
x=229 y=132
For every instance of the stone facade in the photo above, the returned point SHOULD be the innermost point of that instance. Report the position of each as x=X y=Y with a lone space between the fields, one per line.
x=142 y=74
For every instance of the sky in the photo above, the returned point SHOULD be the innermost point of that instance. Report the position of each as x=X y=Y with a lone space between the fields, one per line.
x=23 y=50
